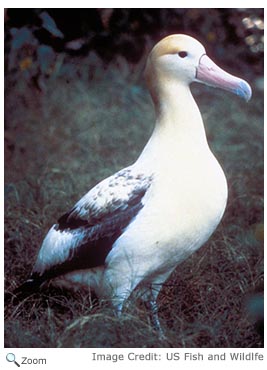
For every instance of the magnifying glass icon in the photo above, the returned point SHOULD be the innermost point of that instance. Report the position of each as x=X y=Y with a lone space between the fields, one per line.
x=10 y=357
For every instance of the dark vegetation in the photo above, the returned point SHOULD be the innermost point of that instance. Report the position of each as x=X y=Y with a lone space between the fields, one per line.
x=76 y=110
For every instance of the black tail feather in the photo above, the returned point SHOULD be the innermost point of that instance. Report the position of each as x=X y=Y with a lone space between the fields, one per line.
x=27 y=288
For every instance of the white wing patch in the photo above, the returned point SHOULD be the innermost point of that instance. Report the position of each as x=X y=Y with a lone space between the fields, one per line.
x=57 y=247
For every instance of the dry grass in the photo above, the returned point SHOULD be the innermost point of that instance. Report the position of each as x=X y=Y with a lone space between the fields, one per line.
x=62 y=141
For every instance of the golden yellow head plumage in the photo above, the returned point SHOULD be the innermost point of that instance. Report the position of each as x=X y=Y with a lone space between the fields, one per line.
x=181 y=59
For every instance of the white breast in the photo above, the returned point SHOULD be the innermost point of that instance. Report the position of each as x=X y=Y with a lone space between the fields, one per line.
x=182 y=209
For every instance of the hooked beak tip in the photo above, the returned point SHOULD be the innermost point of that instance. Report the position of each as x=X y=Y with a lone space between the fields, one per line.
x=244 y=90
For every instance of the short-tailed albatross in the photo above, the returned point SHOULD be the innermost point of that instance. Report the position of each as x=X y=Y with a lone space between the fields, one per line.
x=133 y=228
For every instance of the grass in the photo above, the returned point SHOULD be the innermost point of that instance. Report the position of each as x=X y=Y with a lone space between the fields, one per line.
x=62 y=141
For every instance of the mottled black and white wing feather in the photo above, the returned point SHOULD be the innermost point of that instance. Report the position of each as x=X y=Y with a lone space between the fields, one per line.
x=84 y=236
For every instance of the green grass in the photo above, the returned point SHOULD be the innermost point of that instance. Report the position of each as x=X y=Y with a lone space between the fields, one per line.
x=61 y=142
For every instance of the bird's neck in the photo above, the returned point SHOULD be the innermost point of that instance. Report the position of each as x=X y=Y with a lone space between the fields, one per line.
x=178 y=114
x=179 y=125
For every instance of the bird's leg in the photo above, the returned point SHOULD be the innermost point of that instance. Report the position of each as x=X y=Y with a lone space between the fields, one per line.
x=153 y=313
x=117 y=308
x=118 y=303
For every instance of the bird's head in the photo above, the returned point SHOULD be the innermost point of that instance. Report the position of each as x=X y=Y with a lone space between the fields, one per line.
x=182 y=59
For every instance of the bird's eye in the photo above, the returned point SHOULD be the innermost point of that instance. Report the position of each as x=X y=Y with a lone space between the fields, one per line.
x=182 y=54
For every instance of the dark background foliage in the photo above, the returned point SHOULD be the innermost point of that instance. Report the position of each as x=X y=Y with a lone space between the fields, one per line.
x=127 y=32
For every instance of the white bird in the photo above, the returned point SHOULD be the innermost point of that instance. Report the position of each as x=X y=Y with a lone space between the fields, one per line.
x=133 y=228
